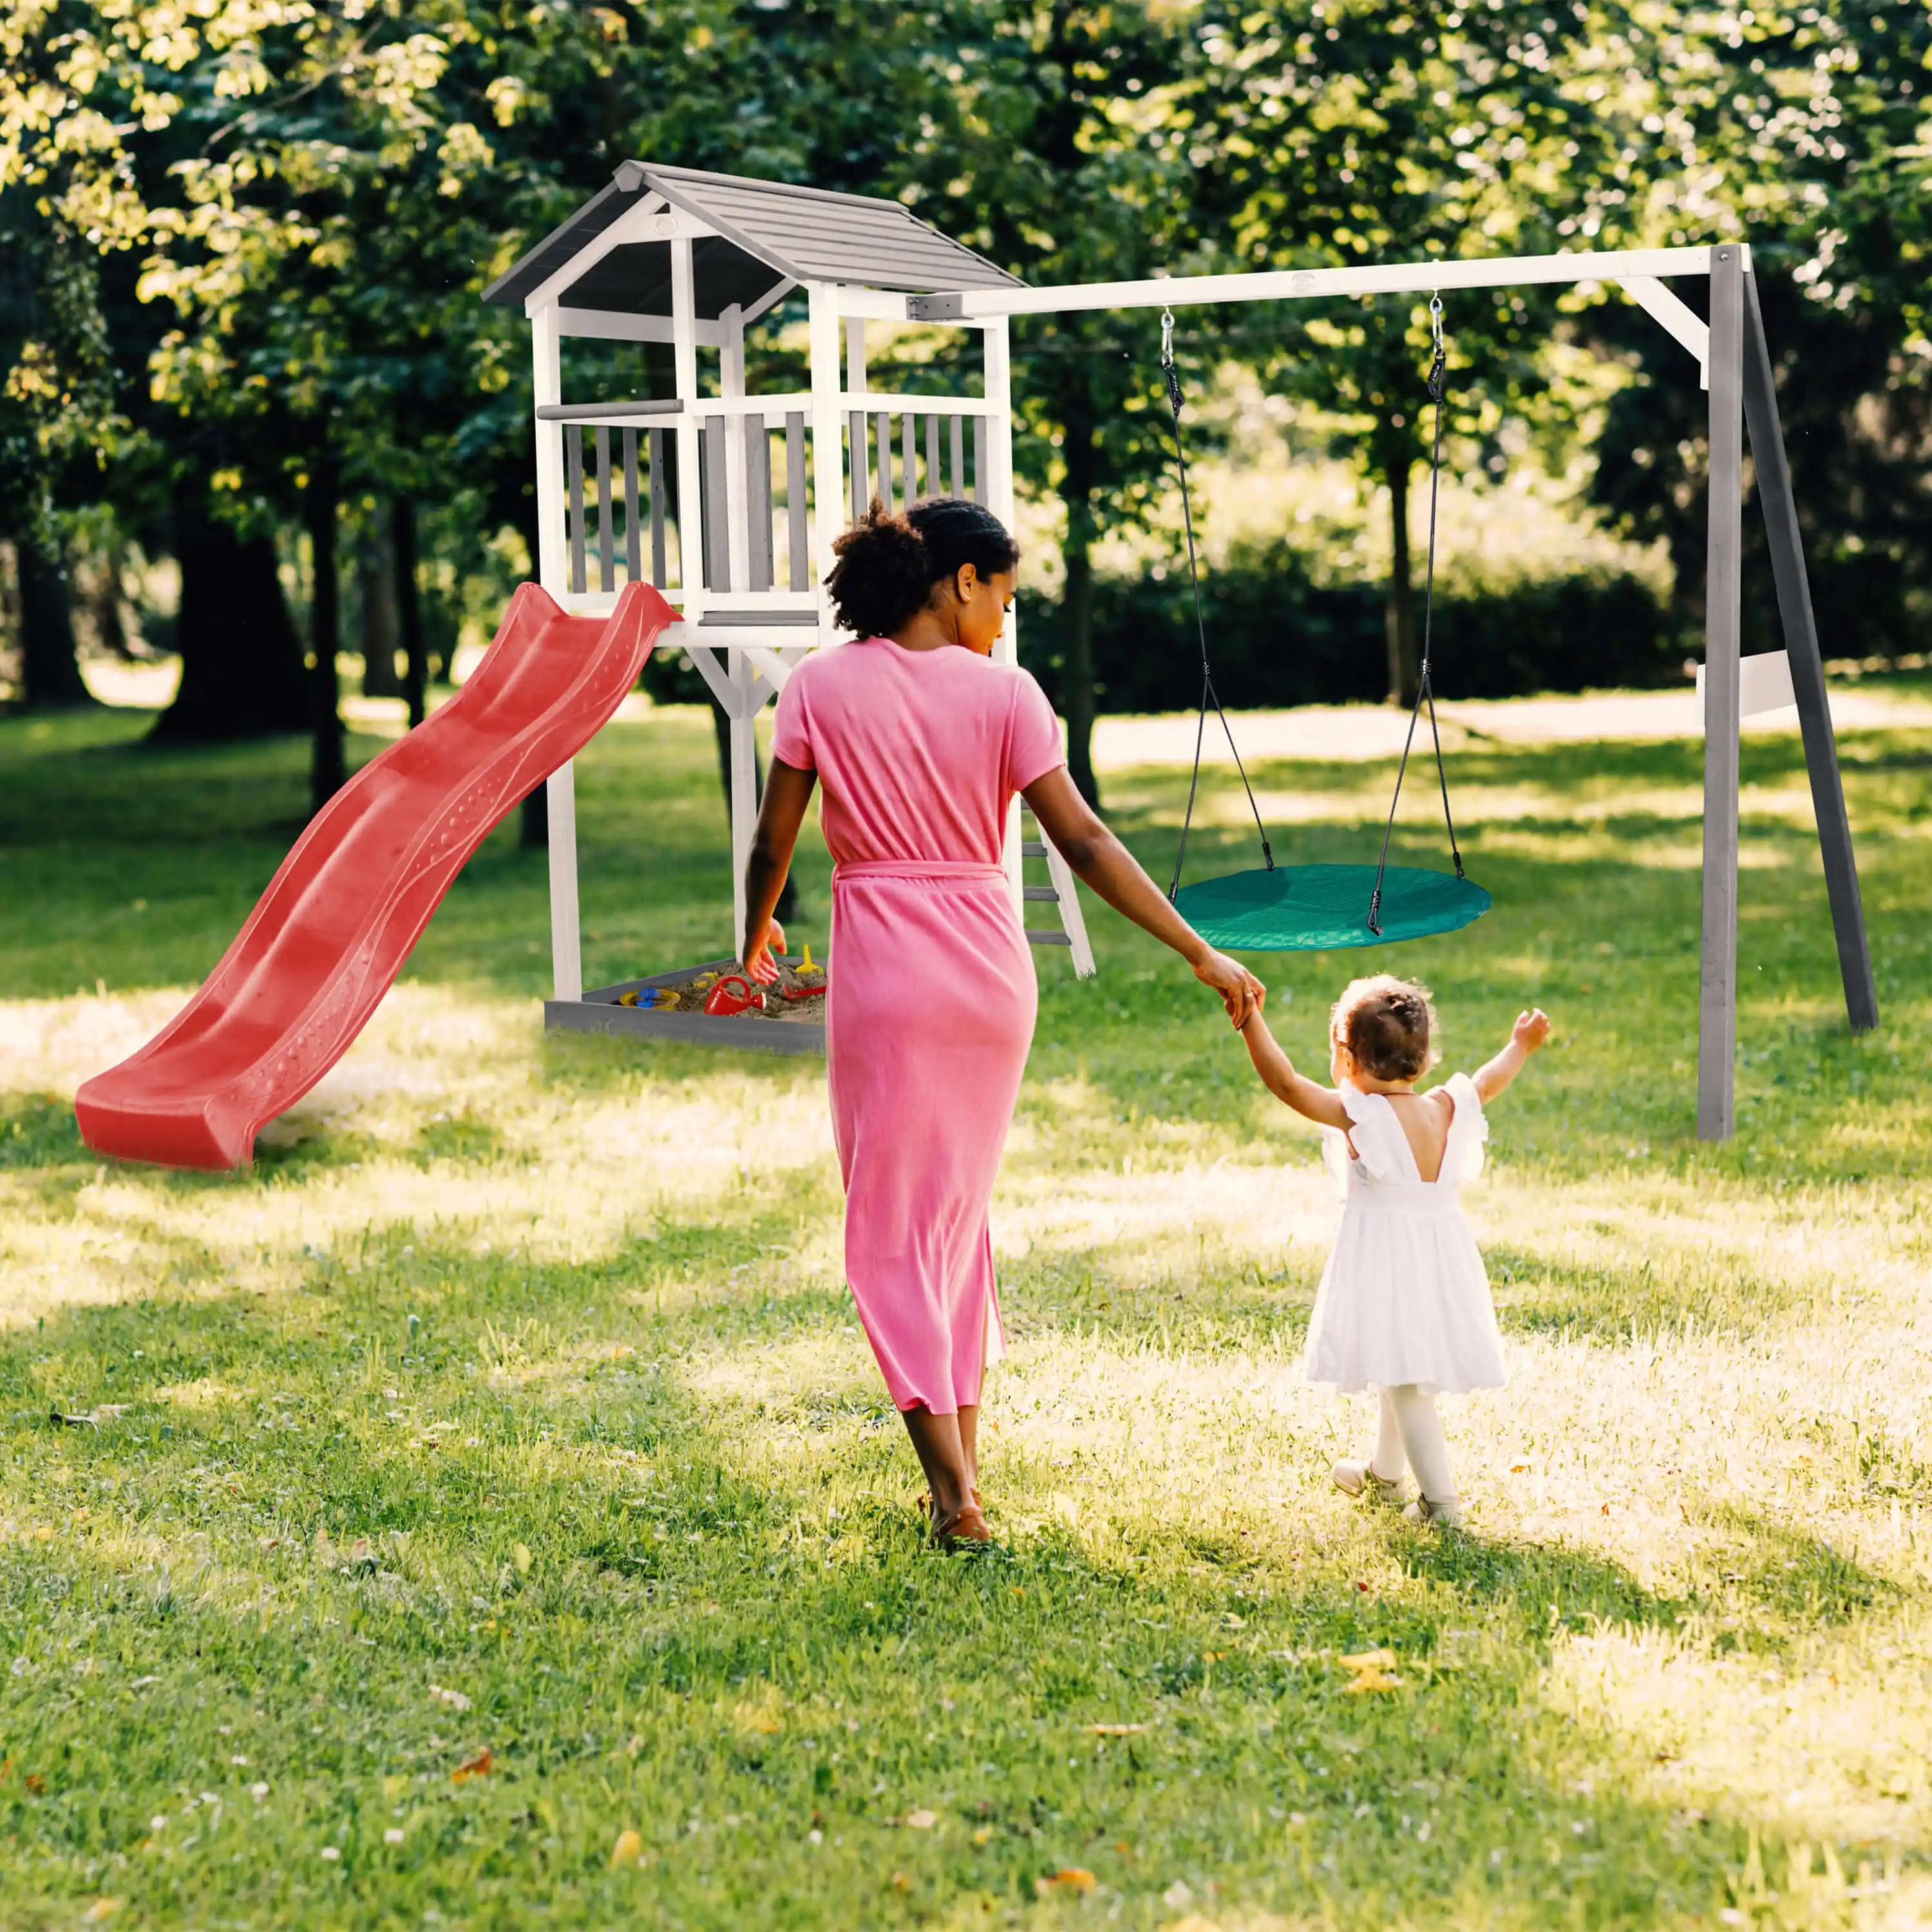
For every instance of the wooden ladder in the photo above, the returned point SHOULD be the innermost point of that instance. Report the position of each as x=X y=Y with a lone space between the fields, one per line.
x=1071 y=930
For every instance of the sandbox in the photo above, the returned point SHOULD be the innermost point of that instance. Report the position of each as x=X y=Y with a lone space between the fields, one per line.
x=782 y=1026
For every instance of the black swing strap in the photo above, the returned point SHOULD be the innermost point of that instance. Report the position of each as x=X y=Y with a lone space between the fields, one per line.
x=1424 y=691
x=1171 y=376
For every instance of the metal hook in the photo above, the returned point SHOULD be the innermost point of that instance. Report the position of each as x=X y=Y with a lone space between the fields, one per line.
x=1167 y=338
x=1435 y=317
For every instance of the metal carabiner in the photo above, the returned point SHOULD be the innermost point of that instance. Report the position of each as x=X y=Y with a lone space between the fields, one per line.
x=1435 y=318
x=1167 y=338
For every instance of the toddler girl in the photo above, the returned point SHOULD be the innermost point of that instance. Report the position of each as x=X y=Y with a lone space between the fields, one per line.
x=1404 y=1304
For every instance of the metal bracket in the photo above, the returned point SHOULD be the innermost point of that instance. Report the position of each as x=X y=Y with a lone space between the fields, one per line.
x=948 y=305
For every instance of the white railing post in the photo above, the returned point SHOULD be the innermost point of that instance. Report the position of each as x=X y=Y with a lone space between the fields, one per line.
x=690 y=497
x=737 y=496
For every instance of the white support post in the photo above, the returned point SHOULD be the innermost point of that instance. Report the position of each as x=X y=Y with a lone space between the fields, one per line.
x=566 y=944
x=746 y=685
x=737 y=503
x=828 y=468
x=999 y=497
x=690 y=496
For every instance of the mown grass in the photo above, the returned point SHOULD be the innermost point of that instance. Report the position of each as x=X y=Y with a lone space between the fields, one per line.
x=513 y=1404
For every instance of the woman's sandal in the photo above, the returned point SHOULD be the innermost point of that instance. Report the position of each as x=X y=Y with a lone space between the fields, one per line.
x=966 y=1525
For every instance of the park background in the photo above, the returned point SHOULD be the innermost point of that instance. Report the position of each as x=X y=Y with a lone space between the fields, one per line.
x=485 y=1507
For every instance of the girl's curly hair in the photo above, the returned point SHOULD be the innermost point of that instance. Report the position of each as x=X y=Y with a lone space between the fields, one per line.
x=1388 y=1026
x=886 y=566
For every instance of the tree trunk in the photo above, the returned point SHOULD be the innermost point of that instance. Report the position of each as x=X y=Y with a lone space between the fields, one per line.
x=382 y=623
x=327 y=768
x=409 y=607
x=721 y=724
x=1404 y=669
x=1076 y=610
x=241 y=656
x=50 y=677
x=533 y=820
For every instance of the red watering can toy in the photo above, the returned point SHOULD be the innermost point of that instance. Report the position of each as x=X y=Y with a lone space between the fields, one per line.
x=733 y=994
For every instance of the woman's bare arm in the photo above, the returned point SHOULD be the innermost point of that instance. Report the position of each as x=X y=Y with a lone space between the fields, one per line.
x=1321 y=1105
x=1099 y=859
x=788 y=792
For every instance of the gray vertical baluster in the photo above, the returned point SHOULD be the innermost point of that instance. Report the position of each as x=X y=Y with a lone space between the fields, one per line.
x=1717 y=972
x=909 y=455
x=859 y=491
x=634 y=562
x=979 y=459
x=717 y=544
x=885 y=461
x=660 y=572
x=957 y=485
x=934 y=486
x=758 y=501
x=573 y=464
x=801 y=563
x=607 y=565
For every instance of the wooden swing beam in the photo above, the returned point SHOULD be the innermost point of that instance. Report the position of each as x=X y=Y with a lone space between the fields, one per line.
x=1736 y=366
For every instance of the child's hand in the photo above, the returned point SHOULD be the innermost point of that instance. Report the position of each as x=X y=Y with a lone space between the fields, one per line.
x=1531 y=1030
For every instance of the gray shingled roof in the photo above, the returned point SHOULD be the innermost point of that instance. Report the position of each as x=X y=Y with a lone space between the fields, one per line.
x=768 y=233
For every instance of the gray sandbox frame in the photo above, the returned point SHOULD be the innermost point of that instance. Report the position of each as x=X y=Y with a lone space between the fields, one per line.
x=598 y=1011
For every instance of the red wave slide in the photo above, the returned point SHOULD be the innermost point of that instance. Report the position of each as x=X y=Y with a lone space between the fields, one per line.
x=327 y=939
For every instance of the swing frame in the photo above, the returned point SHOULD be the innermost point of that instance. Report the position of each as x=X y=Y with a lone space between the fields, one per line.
x=1734 y=367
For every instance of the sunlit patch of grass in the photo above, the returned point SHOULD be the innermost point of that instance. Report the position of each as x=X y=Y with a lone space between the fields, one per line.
x=513 y=1402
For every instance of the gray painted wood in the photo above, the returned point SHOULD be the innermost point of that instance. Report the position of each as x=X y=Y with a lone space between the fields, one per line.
x=956 y=482
x=857 y=466
x=885 y=440
x=758 y=501
x=979 y=459
x=1807 y=668
x=717 y=547
x=935 y=484
x=634 y=562
x=800 y=543
x=660 y=569
x=1717 y=951
x=909 y=456
x=663 y=405
x=607 y=564
x=573 y=465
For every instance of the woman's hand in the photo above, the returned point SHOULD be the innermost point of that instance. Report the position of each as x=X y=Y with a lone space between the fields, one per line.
x=1241 y=993
x=759 y=938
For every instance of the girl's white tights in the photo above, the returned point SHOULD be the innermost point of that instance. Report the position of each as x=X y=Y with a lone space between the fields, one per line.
x=1409 y=1431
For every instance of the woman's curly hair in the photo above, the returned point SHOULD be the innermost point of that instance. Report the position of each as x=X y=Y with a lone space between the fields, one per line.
x=1388 y=1025
x=886 y=566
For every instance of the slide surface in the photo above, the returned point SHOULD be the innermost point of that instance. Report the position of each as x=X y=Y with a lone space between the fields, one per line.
x=328 y=937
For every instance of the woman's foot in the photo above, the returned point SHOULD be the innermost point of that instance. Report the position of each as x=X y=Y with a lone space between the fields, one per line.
x=965 y=1526
x=1448 y=1512
x=1355 y=1479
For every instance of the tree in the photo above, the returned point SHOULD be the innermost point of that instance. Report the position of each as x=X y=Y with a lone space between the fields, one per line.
x=1352 y=133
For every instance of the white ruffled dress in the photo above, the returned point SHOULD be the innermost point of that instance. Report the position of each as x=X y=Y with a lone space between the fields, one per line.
x=1405 y=1297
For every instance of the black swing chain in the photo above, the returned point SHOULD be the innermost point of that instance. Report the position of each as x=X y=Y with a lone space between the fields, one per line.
x=1438 y=382
x=1171 y=375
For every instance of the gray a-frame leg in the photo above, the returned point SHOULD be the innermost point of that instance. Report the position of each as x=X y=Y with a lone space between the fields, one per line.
x=1807 y=669
x=1717 y=951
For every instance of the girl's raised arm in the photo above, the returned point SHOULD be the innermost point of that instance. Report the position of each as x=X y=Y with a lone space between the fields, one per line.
x=1322 y=1105
x=1531 y=1030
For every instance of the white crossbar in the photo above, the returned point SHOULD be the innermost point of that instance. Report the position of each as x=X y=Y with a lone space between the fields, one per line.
x=1299 y=284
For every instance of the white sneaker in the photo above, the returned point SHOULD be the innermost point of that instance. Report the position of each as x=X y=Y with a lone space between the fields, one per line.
x=1448 y=1512
x=1355 y=1479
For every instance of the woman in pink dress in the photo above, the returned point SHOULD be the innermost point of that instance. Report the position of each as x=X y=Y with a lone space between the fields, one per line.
x=921 y=741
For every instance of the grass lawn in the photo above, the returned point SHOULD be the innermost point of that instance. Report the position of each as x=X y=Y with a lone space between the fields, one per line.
x=492 y=1516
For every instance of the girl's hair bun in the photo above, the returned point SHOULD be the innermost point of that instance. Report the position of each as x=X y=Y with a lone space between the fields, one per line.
x=886 y=565
x=1388 y=1025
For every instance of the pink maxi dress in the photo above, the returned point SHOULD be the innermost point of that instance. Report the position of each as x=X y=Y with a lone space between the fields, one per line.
x=932 y=995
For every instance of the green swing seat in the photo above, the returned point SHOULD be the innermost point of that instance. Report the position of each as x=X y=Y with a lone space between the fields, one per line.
x=1320 y=908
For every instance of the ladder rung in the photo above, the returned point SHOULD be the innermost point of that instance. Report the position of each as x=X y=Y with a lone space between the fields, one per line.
x=1041 y=938
x=1032 y=848
x=1039 y=892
